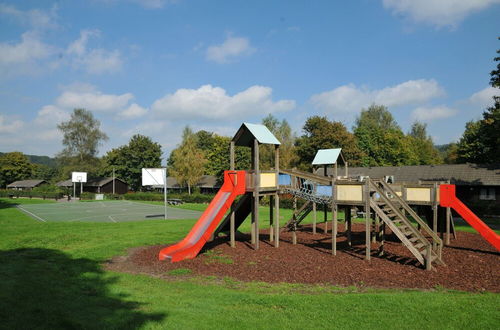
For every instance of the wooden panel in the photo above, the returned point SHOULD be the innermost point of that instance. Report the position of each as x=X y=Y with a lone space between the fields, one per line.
x=418 y=194
x=349 y=193
x=267 y=180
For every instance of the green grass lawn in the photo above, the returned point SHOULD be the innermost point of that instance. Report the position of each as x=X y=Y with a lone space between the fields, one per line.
x=51 y=277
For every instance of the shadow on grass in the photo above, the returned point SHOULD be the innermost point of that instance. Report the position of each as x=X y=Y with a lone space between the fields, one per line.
x=46 y=289
x=5 y=204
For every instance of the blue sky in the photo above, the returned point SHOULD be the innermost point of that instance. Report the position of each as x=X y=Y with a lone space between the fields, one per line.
x=154 y=66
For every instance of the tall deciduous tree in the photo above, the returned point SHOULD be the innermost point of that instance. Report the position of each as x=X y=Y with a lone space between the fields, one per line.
x=422 y=145
x=14 y=166
x=480 y=142
x=381 y=139
x=188 y=161
x=320 y=133
x=283 y=132
x=128 y=160
x=81 y=138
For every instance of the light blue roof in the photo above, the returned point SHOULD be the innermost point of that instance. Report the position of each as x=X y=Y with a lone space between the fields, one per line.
x=262 y=134
x=326 y=156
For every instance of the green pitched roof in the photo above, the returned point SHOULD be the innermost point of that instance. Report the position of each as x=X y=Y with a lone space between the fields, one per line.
x=247 y=132
x=326 y=156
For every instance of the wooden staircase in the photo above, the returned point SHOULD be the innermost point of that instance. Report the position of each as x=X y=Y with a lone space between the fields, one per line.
x=425 y=245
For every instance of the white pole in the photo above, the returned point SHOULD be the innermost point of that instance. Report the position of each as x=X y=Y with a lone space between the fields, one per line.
x=74 y=190
x=81 y=189
x=165 y=190
x=113 y=180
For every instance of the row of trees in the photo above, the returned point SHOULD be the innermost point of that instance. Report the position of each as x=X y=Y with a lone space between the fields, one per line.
x=375 y=140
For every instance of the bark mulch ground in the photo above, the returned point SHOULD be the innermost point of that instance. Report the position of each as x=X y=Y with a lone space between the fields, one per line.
x=471 y=263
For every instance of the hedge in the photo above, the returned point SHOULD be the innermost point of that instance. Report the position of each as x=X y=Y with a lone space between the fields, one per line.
x=31 y=194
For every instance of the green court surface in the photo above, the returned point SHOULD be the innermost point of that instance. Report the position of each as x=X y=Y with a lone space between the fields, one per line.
x=109 y=211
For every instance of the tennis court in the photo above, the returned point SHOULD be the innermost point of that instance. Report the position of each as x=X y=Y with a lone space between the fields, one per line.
x=109 y=211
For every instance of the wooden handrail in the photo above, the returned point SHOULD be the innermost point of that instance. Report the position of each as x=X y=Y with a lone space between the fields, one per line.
x=414 y=215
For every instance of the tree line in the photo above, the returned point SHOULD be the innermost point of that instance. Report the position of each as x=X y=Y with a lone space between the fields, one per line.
x=375 y=139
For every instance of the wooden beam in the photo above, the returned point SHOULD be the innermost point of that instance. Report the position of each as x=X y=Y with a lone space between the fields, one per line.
x=348 y=222
x=277 y=221
x=334 y=222
x=367 y=220
x=314 y=218
x=232 y=226
x=256 y=193
x=271 y=223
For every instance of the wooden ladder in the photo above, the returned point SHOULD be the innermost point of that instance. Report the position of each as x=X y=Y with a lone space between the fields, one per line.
x=389 y=207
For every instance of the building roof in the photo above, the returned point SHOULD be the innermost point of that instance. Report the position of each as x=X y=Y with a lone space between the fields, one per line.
x=247 y=132
x=65 y=183
x=460 y=174
x=95 y=182
x=326 y=156
x=26 y=183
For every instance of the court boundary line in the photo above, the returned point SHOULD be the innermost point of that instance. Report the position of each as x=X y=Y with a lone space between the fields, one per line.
x=29 y=213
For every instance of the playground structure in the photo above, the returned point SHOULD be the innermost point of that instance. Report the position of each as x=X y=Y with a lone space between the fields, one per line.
x=385 y=205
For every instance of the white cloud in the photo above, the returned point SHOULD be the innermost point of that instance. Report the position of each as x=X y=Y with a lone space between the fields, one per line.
x=231 y=48
x=10 y=127
x=29 y=49
x=437 y=12
x=484 y=98
x=51 y=114
x=210 y=102
x=34 y=18
x=350 y=99
x=93 y=100
x=94 y=61
x=133 y=111
x=427 y=114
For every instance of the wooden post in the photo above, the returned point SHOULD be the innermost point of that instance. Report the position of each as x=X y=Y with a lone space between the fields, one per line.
x=314 y=218
x=376 y=235
x=334 y=222
x=276 y=197
x=271 y=222
x=277 y=221
x=294 y=228
x=232 y=226
x=448 y=216
x=348 y=224
x=367 y=219
x=325 y=206
x=256 y=194
x=434 y=214
x=382 y=239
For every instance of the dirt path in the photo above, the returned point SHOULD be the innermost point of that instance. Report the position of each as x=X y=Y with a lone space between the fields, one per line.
x=471 y=263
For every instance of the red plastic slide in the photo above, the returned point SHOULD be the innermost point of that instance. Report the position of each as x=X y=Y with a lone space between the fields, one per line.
x=190 y=246
x=448 y=199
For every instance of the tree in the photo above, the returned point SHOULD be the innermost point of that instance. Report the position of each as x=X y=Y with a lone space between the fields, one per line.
x=381 y=139
x=218 y=158
x=81 y=138
x=284 y=134
x=422 y=145
x=128 y=160
x=188 y=160
x=320 y=133
x=480 y=142
x=14 y=166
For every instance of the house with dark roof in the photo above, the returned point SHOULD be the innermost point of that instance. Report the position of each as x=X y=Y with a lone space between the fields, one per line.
x=99 y=185
x=26 y=184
